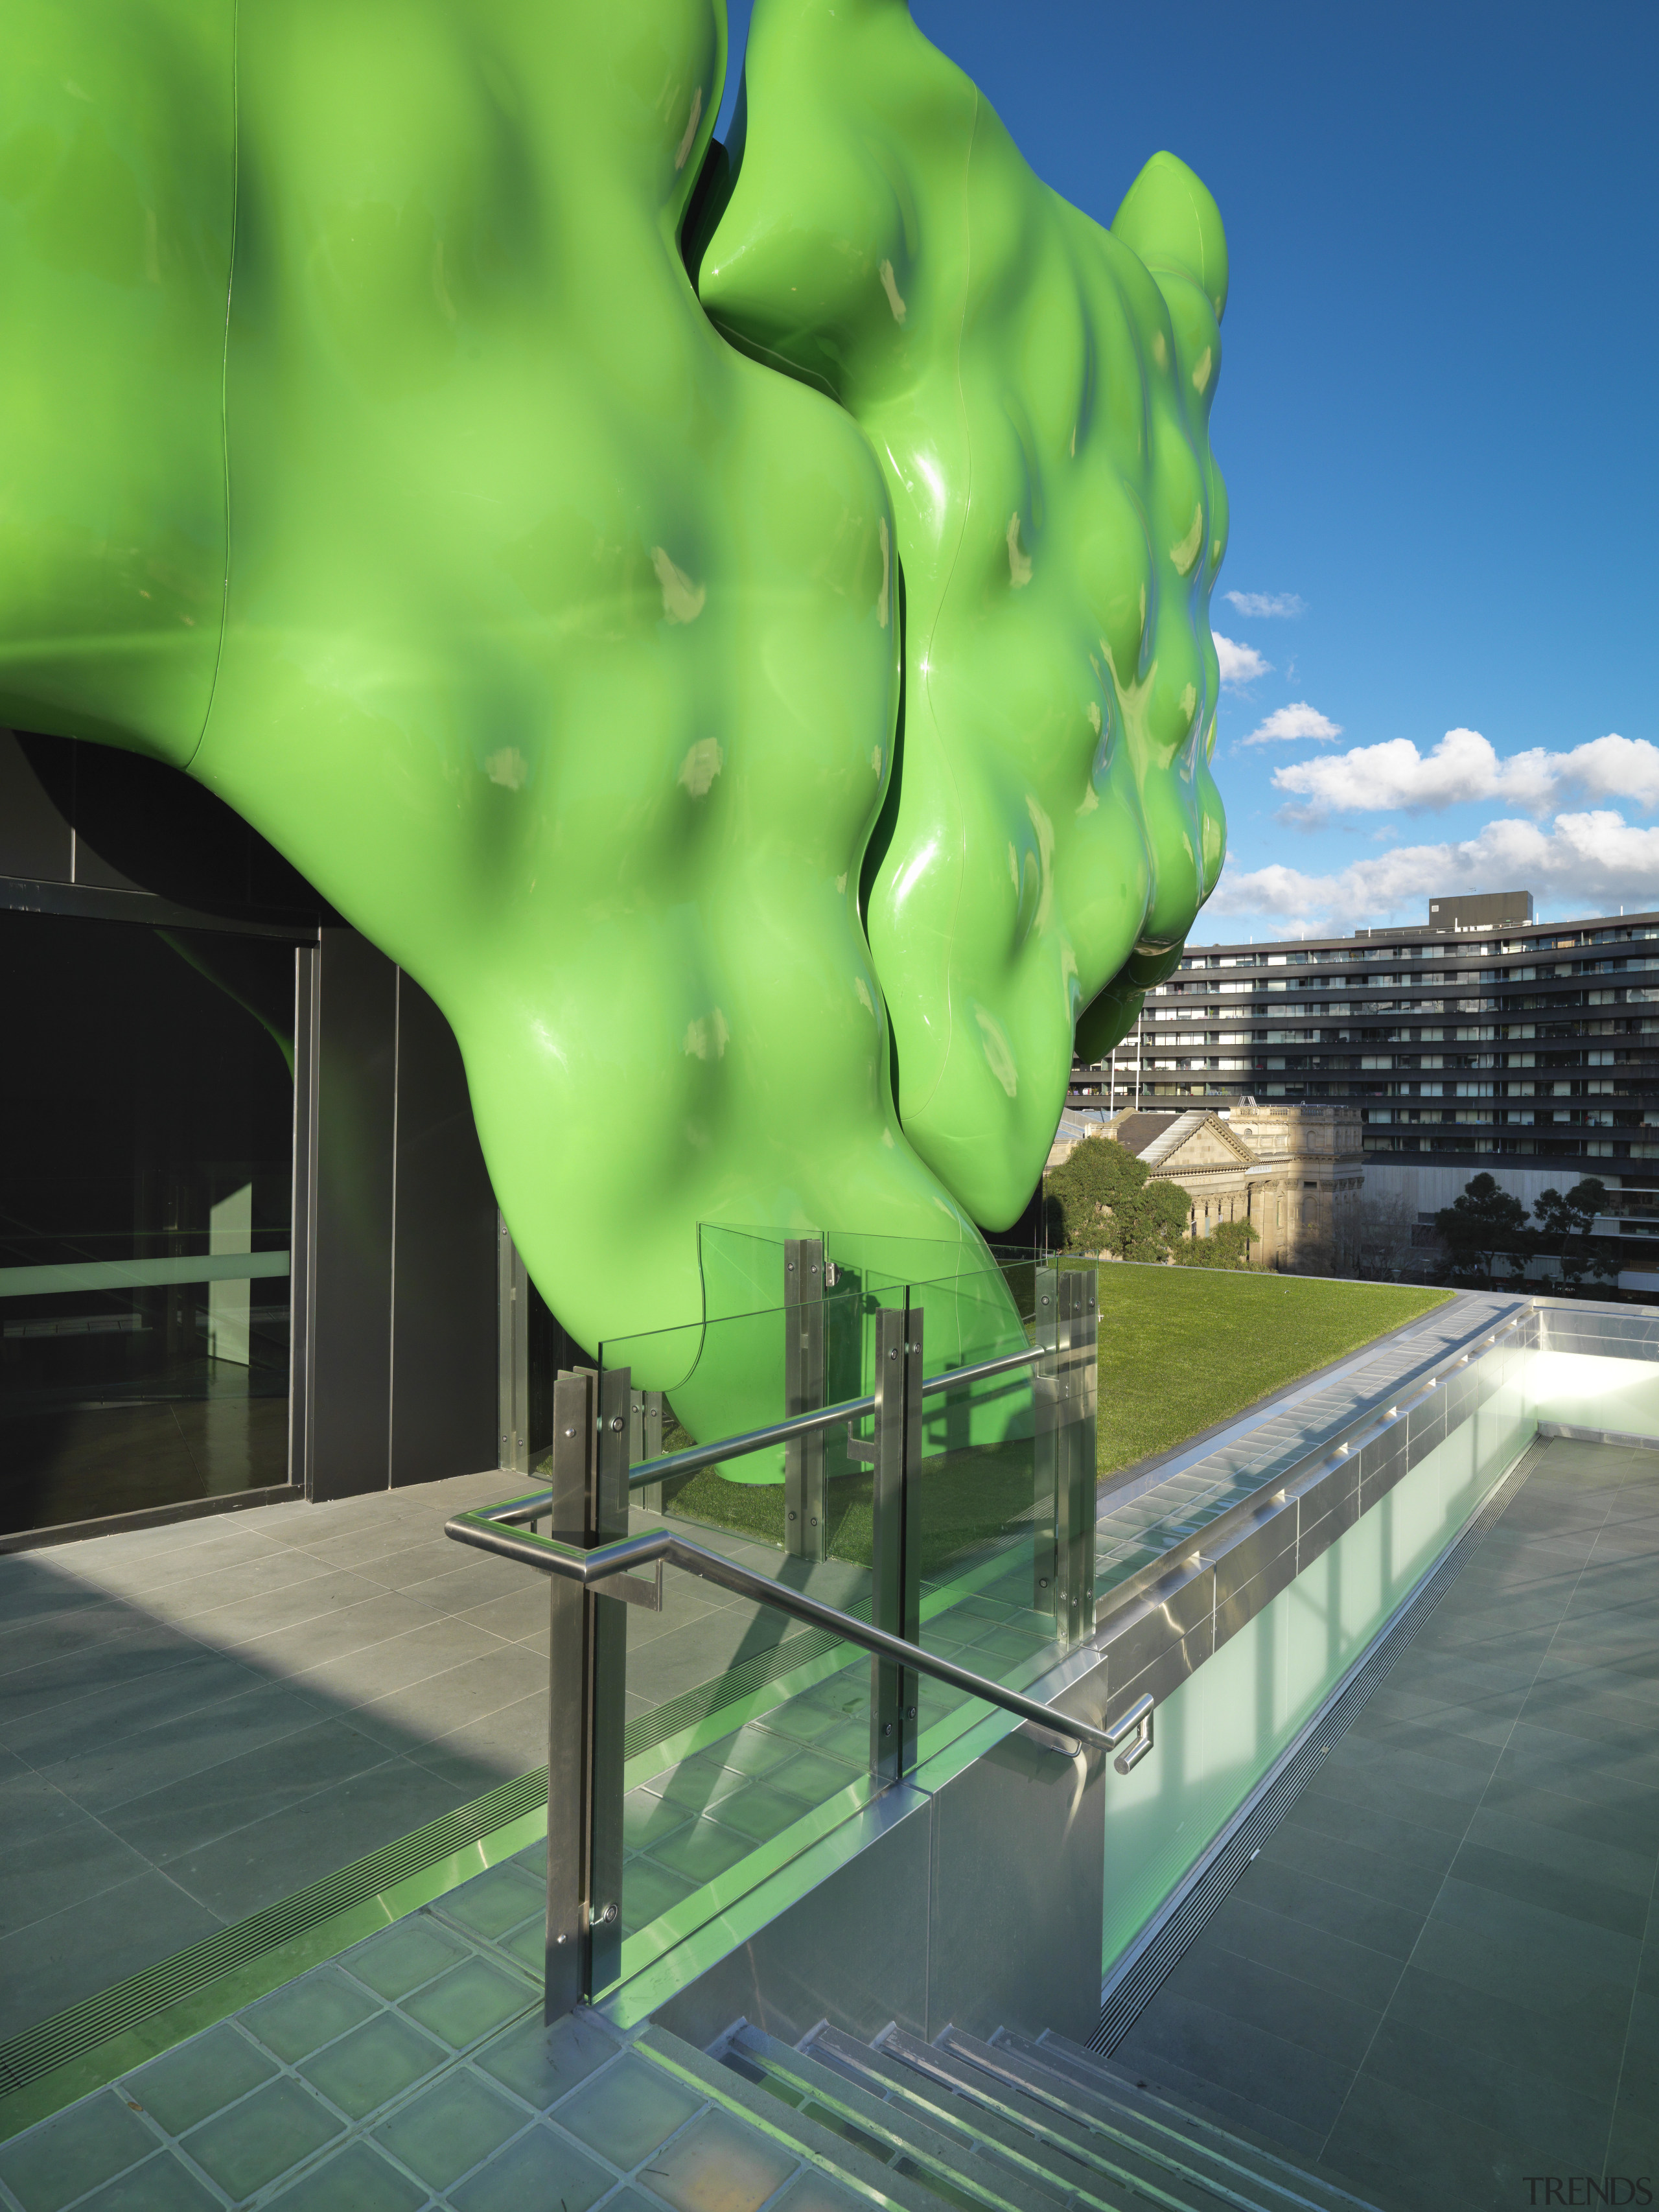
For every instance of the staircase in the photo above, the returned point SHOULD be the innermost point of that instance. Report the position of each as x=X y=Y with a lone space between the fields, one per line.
x=1011 y=2125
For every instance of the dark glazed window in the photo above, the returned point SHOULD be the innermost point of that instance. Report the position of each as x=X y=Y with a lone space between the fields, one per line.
x=146 y=1151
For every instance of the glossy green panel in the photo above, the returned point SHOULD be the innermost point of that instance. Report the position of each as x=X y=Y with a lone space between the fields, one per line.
x=367 y=451
x=561 y=651
x=116 y=206
x=1038 y=391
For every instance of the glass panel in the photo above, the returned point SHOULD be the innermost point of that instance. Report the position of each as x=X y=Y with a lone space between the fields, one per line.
x=749 y=1734
x=146 y=1148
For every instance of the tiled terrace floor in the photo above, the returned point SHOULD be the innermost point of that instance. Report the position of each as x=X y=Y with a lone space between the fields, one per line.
x=1442 y=1974
x=199 y=1719
x=412 y=2072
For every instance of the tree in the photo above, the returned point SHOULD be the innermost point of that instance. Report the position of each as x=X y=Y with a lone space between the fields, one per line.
x=1227 y=1246
x=1385 y=1233
x=1565 y=1226
x=1483 y=1225
x=1103 y=1199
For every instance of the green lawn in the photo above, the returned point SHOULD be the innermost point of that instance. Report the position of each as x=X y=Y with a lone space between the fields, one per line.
x=1182 y=1348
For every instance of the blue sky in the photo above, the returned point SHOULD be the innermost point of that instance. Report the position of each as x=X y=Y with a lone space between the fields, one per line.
x=1434 y=419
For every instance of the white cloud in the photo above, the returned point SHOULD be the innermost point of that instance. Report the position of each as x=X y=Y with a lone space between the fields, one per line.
x=1240 y=664
x=1465 y=767
x=1263 y=604
x=1300 y=720
x=1591 y=863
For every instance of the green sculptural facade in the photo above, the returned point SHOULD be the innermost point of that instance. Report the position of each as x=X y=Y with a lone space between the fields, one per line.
x=368 y=453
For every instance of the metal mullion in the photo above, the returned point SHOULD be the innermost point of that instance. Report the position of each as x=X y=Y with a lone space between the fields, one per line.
x=805 y=1523
x=1047 y=1458
x=895 y=1578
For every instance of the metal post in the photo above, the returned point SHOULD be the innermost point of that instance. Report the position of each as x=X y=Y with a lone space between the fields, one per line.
x=804 y=1520
x=513 y=1353
x=587 y=1683
x=895 y=1559
x=1045 y=1446
x=644 y=1442
x=1074 y=1520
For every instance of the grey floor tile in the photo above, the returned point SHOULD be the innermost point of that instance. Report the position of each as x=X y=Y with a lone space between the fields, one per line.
x=540 y=2166
x=1359 y=1918
x=1422 y=2158
x=1494 y=2093
x=542 y=2064
x=483 y=1753
x=457 y=1698
x=627 y=2111
x=28 y=1642
x=264 y=2136
x=1589 y=1857
x=1250 y=2066
x=450 y=2127
x=356 y=2179
x=304 y=2015
x=118 y=1706
x=155 y=1757
x=272 y=1857
x=341 y=1634
x=1575 y=1895
x=83 y=1947
x=383 y=1667
x=187 y=1815
x=162 y=2183
x=186 y=2086
x=60 y=1866
x=1533 y=2041
x=53 y=2164
x=373 y=2064
x=1396 y=1880
x=1305 y=2016
x=243 y=1626
x=31 y=1694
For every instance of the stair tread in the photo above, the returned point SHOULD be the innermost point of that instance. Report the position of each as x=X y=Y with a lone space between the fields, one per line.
x=1058 y=2140
x=864 y=2177
x=1158 y=2100
x=1261 y=2176
x=970 y=2125
x=993 y=2183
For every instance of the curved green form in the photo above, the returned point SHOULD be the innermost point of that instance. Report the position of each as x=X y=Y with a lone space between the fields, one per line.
x=365 y=451
x=1038 y=391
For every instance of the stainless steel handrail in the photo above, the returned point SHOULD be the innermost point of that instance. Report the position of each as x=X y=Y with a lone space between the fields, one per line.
x=777 y=1432
x=484 y=1528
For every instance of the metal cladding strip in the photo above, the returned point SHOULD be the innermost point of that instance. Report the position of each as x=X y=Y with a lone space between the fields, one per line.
x=1282 y=1492
x=927 y=2060
x=596 y=1565
x=1000 y=2065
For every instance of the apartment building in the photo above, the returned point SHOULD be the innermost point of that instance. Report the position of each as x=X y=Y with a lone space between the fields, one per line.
x=1484 y=1039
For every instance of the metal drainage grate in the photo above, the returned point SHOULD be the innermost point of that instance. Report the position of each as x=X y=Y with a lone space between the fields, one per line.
x=1159 y=1948
x=69 y=2035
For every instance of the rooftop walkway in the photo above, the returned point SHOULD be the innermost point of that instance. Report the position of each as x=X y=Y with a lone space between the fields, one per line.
x=1441 y=1976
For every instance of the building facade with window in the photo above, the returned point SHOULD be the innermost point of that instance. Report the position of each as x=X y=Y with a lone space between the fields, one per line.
x=1485 y=1039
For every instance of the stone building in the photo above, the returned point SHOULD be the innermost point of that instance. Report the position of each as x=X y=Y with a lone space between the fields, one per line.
x=1294 y=1172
